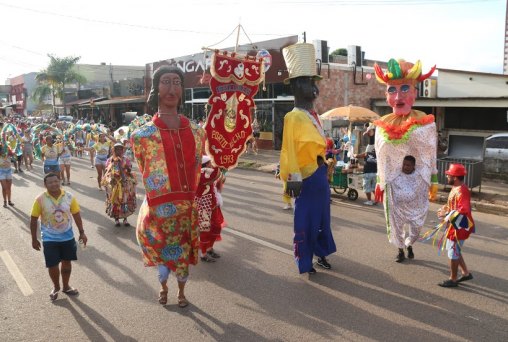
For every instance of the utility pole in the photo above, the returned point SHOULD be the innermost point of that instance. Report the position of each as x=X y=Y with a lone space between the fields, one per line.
x=304 y=37
x=112 y=82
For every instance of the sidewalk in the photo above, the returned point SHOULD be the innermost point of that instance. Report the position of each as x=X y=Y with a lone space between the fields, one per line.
x=492 y=199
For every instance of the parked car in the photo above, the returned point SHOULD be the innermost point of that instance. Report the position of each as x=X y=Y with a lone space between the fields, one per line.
x=67 y=118
x=496 y=146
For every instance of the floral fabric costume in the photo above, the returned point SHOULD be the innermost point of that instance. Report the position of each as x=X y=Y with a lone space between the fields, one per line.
x=170 y=164
x=120 y=186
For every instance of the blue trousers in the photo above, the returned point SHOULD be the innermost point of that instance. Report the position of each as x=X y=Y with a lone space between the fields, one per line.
x=313 y=235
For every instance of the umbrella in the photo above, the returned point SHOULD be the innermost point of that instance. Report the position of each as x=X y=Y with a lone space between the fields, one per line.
x=350 y=113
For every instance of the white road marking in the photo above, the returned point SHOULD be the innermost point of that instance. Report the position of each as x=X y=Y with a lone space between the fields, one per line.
x=261 y=242
x=16 y=273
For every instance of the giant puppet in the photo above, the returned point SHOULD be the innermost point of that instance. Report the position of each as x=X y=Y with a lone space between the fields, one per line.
x=405 y=132
x=302 y=162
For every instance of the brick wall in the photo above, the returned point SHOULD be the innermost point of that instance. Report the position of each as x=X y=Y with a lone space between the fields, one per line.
x=337 y=88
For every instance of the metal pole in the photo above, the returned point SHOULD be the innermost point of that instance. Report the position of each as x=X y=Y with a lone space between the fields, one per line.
x=237 y=37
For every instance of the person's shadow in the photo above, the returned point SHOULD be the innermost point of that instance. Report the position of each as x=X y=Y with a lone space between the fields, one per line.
x=86 y=314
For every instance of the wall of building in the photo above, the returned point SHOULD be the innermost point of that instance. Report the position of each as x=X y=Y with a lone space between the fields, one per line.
x=453 y=83
x=338 y=88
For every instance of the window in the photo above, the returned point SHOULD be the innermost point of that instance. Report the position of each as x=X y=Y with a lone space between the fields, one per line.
x=499 y=142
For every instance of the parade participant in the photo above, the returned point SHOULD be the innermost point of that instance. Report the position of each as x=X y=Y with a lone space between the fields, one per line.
x=91 y=139
x=211 y=220
x=17 y=152
x=457 y=217
x=120 y=185
x=65 y=160
x=408 y=211
x=79 y=137
x=256 y=133
x=369 y=173
x=5 y=174
x=102 y=150
x=57 y=208
x=399 y=134
x=302 y=162
x=50 y=153
x=28 y=149
x=168 y=152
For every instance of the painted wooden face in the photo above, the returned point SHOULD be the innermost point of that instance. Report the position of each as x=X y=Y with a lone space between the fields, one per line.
x=401 y=98
x=170 y=90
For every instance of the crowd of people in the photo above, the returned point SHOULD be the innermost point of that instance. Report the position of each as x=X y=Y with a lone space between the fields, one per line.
x=180 y=218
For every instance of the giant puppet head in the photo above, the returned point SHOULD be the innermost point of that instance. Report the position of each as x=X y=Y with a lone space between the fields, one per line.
x=401 y=79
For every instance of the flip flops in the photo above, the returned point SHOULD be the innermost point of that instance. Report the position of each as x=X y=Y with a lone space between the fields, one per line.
x=71 y=291
x=53 y=295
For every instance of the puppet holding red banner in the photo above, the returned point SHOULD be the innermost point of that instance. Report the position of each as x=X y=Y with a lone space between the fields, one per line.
x=235 y=81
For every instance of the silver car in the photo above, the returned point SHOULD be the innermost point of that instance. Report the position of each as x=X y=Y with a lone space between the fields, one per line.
x=496 y=146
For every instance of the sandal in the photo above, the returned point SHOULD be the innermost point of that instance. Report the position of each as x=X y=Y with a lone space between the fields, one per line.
x=11 y=204
x=448 y=283
x=163 y=297
x=53 y=295
x=125 y=223
x=182 y=302
x=71 y=291
x=464 y=278
x=117 y=223
x=5 y=204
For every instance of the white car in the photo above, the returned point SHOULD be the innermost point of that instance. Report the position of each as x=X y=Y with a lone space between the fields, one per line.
x=496 y=146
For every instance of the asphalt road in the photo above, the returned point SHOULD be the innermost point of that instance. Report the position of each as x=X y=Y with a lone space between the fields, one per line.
x=254 y=292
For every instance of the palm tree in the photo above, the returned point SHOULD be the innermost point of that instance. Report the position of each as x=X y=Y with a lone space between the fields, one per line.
x=53 y=79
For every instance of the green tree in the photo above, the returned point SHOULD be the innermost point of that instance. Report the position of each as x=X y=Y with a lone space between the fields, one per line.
x=339 y=52
x=53 y=79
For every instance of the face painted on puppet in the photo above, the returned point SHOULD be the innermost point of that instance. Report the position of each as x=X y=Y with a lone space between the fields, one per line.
x=306 y=89
x=401 y=98
x=170 y=90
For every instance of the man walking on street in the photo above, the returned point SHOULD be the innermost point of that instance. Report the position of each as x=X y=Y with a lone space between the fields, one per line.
x=56 y=208
x=456 y=214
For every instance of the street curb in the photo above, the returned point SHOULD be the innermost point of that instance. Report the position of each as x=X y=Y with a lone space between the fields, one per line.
x=488 y=208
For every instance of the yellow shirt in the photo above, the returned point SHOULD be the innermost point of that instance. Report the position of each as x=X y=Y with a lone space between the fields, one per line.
x=51 y=153
x=37 y=210
x=302 y=143
x=102 y=148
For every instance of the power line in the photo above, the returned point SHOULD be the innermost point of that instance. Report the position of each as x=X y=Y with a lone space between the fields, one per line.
x=157 y=28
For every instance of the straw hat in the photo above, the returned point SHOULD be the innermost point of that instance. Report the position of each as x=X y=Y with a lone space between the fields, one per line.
x=300 y=60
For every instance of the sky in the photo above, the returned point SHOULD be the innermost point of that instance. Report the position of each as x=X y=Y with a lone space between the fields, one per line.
x=453 y=34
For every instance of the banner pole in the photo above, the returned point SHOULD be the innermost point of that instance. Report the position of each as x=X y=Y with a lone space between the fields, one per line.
x=237 y=37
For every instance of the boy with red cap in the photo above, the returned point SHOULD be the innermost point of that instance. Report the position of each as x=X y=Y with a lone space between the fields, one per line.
x=456 y=215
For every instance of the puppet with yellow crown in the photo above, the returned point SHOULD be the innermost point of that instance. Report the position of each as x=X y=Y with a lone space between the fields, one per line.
x=405 y=132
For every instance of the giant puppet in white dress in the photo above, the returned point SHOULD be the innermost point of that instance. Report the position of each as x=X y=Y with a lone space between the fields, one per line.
x=405 y=132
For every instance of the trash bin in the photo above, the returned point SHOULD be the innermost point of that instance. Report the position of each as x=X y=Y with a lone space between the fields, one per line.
x=468 y=151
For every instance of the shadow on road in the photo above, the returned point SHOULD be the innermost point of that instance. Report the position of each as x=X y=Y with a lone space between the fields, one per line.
x=88 y=314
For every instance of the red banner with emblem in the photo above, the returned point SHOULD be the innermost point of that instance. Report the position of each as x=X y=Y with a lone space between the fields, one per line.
x=235 y=81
